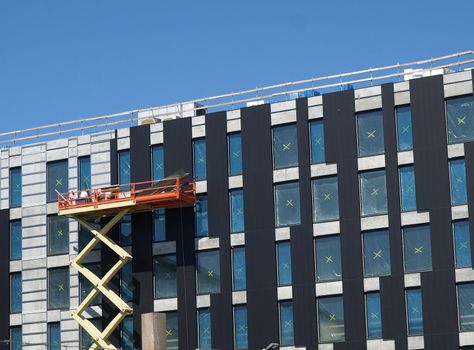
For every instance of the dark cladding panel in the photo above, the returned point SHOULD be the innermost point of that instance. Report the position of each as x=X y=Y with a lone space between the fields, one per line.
x=259 y=226
x=5 y=274
x=469 y=157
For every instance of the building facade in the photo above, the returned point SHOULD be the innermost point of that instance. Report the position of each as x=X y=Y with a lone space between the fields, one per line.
x=339 y=221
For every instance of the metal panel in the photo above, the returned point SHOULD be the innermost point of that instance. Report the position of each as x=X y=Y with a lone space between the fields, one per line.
x=4 y=275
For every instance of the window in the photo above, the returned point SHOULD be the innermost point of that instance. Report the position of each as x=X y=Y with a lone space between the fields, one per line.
x=58 y=235
x=317 y=141
x=15 y=240
x=370 y=133
x=158 y=160
x=460 y=115
x=239 y=279
x=417 y=248
x=57 y=179
x=159 y=225
x=465 y=309
x=85 y=340
x=125 y=230
x=127 y=333
x=172 y=335
x=235 y=154
x=15 y=187
x=285 y=146
x=462 y=244
x=15 y=292
x=407 y=188
x=85 y=235
x=54 y=336
x=404 y=128
x=283 y=253
x=208 y=272
x=165 y=276
x=373 y=314
x=328 y=259
x=373 y=193
x=200 y=210
x=376 y=253
x=85 y=286
x=414 y=311
x=330 y=319
x=458 y=181
x=286 y=323
x=240 y=327
x=199 y=159
x=325 y=199
x=287 y=204
x=126 y=282
x=58 y=288
x=204 y=329
x=84 y=173
x=16 y=338
x=124 y=167
x=237 y=211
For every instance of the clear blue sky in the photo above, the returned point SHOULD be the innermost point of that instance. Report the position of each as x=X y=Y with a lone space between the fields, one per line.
x=64 y=59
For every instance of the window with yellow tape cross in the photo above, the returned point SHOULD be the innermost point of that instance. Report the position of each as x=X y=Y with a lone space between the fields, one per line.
x=285 y=146
x=376 y=253
x=287 y=204
x=417 y=248
x=370 y=133
x=58 y=234
x=208 y=272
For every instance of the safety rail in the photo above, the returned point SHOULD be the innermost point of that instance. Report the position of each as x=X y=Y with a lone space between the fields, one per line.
x=271 y=93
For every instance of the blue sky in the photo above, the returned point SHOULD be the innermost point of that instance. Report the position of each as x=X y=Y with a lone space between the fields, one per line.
x=61 y=60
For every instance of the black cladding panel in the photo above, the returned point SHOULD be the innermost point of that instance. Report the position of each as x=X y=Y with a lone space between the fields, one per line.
x=5 y=274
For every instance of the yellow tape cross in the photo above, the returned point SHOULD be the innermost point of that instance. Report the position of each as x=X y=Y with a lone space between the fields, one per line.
x=286 y=146
x=289 y=203
x=419 y=250
x=327 y=196
x=462 y=120
x=375 y=192
x=378 y=254
x=210 y=273
x=332 y=317
x=59 y=182
x=329 y=259
x=371 y=134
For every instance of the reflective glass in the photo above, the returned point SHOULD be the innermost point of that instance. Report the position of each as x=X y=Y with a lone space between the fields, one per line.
x=15 y=187
x=125 y=237
x=462 y=244
x=465 y=306
x=240 y=327
x=286 y=323
x=127 y=333
x=85 y=286
x=325 y=199
x=373 y=193
x=58 y=288
x=157 y=159
x=376 y=253
x=15 y=240
x=172 y=335
x=373 y=315
x=58 y=235
x=414 y=311
x=460 y=117
x=287 y=204
x=328 y=258
x=317 y=141
x=165 y=276
x=84 y=173
x=57 y=179
x=16 y=338
x=284 y=263
x=237 y=223
x=85 y=235
x=204 y=329
x=370 y=133
x=407 y=188
x=330 y=319
x=199 y=159
x=54 y=336
x=285 y=146
x=159 y=225
x=417 y=248
x=15 y=292
x=85 y=340
x=235 y=154
x=208 y=272
x=404 y=128
x=457 y=169
x=124 y=167
x=200 y=210
x=238 y=269
x=126 y=282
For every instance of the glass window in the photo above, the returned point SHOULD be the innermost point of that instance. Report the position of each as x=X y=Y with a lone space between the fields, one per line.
x=316 y=128
x=466 y=306
x=57 y=179
x=240 y=327
x=15 y=292
x=158 y=161
x=462 y=244
x=237 y=211
x=325 y=199
x=199 y=159
x=328 y=258
x=370 y=133
x=172 y=335
x=159 y=225
x=127 y=333
x=85 y=286
x=373 y=193
x=84 y=173
x=58 y=288
x=58 y=235
x=15 y=187
x=125 y=237
x=285 y=146
x=235 y=154
x=458 y=181
x=330 y=319
x=200 y=209
x=208 y=272
x=85 y=235
x=373 y=314
x=404 y=129
x=376 y=253
x=286 y=323
x=204 y=329
x=287 y=204
x=126 y=282
x=414 y=311
x=407 y=188
x=238 y=269
x=417 y=248
x=16 y=338
x=284 y=263
x=15 y=240
x=85 y=340
x=460 y=115
x=54 y=336
x=124 y=167
x=165 y=276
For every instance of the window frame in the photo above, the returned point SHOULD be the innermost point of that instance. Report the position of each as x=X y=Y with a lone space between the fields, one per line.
x=12 y=172
x=234 y=309
x=340 y=297
x=281 y=126
x=79 y=171
x=12 y=277
x=49 y=218
x=155 y=279
x=361 y=206
x=386 y=232
x=197 y=254
x=49 y=328
x=48 y=279
x=367 y=315
x=280 y=325
x=403 y=228
x=204 y=141
x=233 y=250
x=406 y=166
x=407 y=317
x=12 y=222
x=312 y=122
x=275 y=209
x=446 y=99
x=453 y=226
x=66 y=161
x=451 y=193
x=232 y=192
x=396 y=108
x=229 y=162
x=315 y=256
x=314 y=182
x=365 y=113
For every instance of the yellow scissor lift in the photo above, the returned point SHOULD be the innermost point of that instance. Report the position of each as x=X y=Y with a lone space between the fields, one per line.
x=115 y=202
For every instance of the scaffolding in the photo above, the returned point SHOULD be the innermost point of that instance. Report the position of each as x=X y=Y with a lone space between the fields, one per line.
x=115 y=202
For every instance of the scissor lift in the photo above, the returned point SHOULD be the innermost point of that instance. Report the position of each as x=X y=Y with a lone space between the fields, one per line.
x=115 y=202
